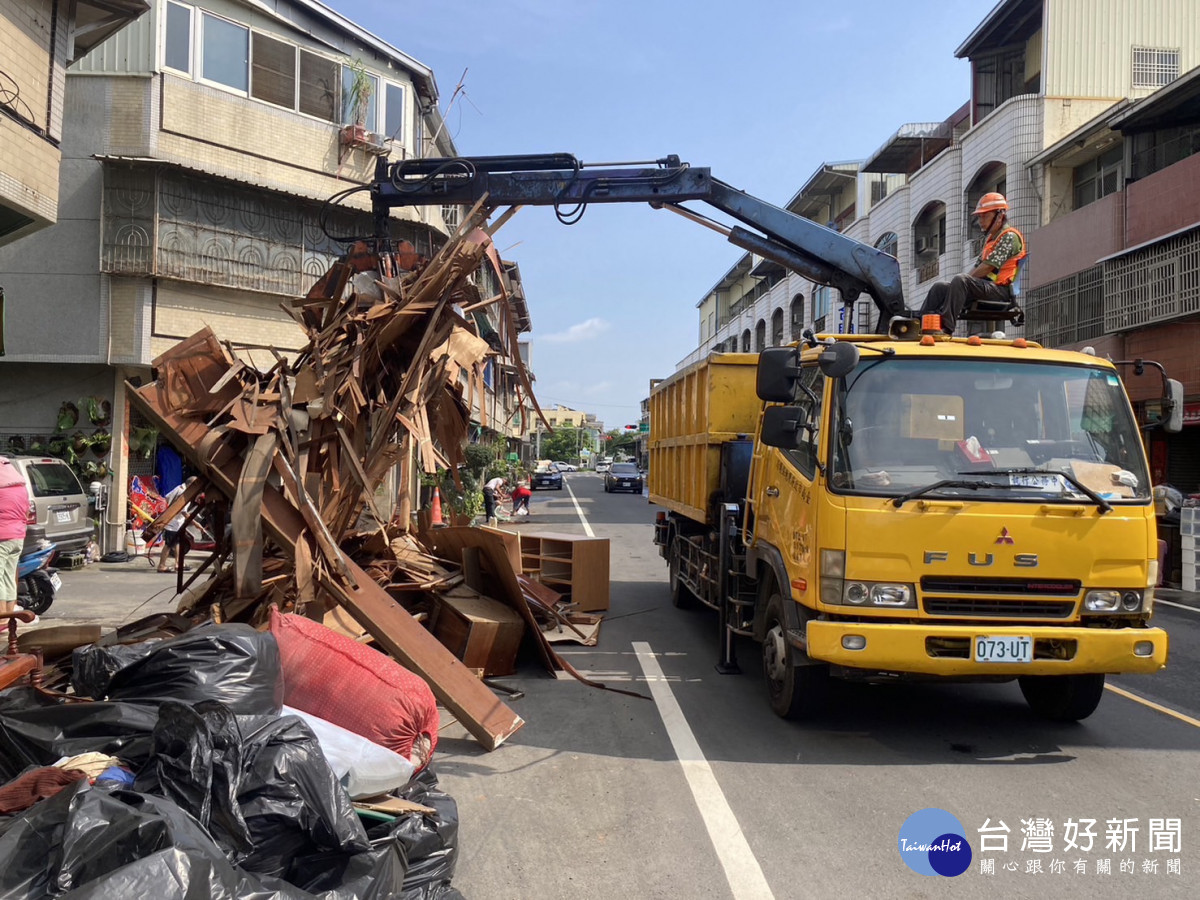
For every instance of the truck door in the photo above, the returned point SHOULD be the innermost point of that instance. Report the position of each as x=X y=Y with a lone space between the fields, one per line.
x=784 y=482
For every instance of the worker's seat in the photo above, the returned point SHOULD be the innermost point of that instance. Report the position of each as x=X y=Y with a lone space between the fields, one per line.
x=999 y=310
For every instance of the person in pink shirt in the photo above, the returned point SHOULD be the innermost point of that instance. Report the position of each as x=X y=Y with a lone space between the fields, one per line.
x=14 y=513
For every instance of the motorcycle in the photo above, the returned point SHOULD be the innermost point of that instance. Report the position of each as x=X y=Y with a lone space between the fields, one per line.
x=37 y=582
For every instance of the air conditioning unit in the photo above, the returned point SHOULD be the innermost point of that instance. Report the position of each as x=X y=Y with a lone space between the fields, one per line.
x=923 y=245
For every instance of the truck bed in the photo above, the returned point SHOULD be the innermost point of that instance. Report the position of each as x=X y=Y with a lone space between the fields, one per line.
x=691 y=414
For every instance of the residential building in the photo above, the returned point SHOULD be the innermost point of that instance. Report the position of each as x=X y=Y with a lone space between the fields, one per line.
x=200 y=146
x=1084 y=114
x=40 y=39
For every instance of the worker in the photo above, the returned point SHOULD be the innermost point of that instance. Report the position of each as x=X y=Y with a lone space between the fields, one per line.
x=991 y=279
x=520 y=498
x=175 y=536
x=14 y=512
x=490 y=490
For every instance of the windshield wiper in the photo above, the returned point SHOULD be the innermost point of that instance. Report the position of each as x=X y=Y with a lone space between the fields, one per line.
x=944 y=483
x=1104 y=505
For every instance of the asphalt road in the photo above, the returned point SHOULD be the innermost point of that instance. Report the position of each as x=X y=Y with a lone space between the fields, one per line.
x=703 y=792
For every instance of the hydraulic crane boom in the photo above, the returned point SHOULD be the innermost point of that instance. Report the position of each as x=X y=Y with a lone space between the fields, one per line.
x=562 y=181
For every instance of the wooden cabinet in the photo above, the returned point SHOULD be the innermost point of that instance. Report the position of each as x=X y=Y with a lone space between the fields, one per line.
x=571 y=564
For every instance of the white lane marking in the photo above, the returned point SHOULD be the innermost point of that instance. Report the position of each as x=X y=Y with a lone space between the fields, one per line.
x=587 y=529
x=742 y=871
x=1158 y=600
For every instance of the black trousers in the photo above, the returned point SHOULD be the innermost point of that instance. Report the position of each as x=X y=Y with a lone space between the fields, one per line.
x=949 y=298
x=489 y=503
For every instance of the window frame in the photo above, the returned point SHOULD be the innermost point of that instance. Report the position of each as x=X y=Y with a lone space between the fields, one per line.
x=295 y=107
x=397 y=136
x=201 y=76
x=1155 y=67
x=192 y=32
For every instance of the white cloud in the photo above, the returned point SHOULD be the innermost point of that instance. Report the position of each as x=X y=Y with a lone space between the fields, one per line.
x=583 y=331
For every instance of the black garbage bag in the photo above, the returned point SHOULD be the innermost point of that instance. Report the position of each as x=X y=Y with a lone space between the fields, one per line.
x=197 y=762
x=234 y=664
x=93 y=668
x=293 y=804
x=36 y=730
x=93 y=844
x=429 y=842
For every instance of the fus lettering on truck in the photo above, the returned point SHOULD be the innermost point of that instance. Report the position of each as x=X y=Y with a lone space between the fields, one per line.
x=1020 y=560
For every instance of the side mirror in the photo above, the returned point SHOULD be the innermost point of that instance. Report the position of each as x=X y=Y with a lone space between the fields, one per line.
x=1173 y=407
x=838 y=359
x=778 y=372
x=782 y=425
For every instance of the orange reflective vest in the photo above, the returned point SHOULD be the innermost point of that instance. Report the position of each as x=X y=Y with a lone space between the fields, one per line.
x=1008 y=271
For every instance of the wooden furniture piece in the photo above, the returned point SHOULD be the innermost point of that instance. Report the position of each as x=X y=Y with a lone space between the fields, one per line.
x=16 y=665
x=482 y=632
x=571 y=564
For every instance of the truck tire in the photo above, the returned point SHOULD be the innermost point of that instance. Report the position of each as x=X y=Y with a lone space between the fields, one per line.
x=794 y=692
x=681 y=595
x=1062 y=698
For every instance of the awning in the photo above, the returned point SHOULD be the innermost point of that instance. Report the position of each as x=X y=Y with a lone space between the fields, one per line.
x=1150 y=243
x=910 y=148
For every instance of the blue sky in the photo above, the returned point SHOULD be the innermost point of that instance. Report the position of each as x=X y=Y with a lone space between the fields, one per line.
x=760 y=92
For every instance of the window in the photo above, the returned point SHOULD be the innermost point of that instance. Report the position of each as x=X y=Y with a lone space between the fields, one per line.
x=760 y=336
x=1098 y=177
x=273 y=71
x=393 y=112
x=746 y=341
x=372 y=104
x=177 y=49
x=879 y=189
x=1154 y=67
x=225 y=53
x=319 y=86
x=797 y=316
x=804 y=457
x=777 y=327
x=820 y=300
x=889 y=244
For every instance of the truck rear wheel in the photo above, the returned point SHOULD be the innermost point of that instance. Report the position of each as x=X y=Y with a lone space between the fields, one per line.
x=1062 y=698
x=795 y=692
x=681 y=595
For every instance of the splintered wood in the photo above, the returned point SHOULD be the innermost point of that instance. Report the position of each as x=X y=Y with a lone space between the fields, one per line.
x=292 y=457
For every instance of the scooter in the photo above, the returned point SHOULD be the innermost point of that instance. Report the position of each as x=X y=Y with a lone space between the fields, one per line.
x=37 y=582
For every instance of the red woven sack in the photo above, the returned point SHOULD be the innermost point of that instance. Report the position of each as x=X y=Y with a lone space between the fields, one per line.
x=342 y=681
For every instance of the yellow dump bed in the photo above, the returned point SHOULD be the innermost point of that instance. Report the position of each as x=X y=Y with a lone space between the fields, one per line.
x=691 y=414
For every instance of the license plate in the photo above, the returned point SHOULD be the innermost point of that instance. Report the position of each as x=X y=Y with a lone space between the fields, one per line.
x=55 y=581
x=1051 y=482
x=1009 y=648
x=63 y=516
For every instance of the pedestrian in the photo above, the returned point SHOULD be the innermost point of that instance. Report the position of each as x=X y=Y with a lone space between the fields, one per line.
x=490 y=490
x=14 y=513
x=175 y=536
x=991 y=279
x=520 y=498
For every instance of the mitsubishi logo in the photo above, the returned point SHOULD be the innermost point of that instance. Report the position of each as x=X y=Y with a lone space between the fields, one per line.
x=1005 y=537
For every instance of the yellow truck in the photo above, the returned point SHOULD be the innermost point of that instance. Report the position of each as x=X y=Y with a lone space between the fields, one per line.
x=928 y=507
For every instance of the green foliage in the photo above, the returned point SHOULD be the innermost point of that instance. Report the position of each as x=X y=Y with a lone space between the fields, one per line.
x=498 y=468
x=565 y=443
x=466 y=502
x=478 y=457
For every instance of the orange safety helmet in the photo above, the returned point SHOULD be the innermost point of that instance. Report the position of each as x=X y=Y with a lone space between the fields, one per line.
x=991 y=202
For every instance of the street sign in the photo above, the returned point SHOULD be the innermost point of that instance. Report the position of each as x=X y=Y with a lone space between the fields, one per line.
x=644 y=428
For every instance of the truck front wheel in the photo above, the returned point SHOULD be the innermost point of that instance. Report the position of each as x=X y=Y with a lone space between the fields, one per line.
x=795 y=692
x=681 y=596
x=1062 y=698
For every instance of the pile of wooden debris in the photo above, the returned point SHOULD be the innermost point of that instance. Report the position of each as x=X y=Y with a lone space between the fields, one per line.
x=290 y=460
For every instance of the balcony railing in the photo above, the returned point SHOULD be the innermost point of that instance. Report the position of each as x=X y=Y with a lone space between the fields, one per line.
x=930 y=270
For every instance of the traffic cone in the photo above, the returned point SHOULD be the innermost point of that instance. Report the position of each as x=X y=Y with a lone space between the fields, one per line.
x=435 y=510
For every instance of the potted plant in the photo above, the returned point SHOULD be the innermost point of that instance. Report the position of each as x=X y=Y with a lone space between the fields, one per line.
x=358 y=103
x=68 y=416
x=101 y=441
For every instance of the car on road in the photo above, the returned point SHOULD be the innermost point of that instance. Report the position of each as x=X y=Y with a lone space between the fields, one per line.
x=565 y=466
x=623 y=476
x=58 y=504
x=546 y=476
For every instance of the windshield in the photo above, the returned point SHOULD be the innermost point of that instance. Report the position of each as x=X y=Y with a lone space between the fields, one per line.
x=994 y=430
x=624 y=469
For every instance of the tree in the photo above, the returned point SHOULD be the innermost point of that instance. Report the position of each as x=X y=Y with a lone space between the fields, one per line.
x=565 y=443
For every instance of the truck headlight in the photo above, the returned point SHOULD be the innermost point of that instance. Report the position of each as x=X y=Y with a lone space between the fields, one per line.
x=1112 y=601
x=879 y=594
